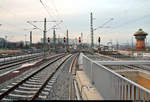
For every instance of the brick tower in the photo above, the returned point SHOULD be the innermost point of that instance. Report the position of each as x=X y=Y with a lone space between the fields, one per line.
x=140 y=36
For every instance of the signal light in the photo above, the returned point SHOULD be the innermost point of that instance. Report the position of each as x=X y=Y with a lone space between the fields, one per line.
x=48 y=39
x=99 y=39
x=64 y=39
x=79 y=40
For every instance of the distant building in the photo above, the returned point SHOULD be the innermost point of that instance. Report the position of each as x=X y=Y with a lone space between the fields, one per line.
x=2 y=42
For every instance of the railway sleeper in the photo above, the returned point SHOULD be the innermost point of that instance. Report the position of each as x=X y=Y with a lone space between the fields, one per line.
x=18 y=96
x=24 y=91
x=25 y=87
x=36 y=83
x=31 y=85
x=28 y=88
x=42 y=96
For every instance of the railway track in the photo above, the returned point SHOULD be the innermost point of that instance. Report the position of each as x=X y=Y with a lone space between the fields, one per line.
x=20 y=61
x=73 y=86
x=34 y=85
x=8 y=60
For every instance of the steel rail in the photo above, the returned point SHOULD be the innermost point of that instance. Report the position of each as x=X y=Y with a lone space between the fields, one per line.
x=27 y=78
x=45 y=83
x=19 y=62
x=15 y=58
x=72 y=71
x=72 y=64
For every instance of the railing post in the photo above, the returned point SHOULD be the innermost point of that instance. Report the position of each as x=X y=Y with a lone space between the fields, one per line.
x=125 y=91
x=142 y=94
x=147 y=96
x=133 y=92
x=129 y=92
x=119 y=89
x=137 y=93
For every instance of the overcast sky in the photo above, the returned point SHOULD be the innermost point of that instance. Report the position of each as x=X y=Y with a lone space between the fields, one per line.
x=129 y=16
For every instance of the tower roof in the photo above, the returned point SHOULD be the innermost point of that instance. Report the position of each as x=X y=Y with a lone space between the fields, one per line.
x=140 y=32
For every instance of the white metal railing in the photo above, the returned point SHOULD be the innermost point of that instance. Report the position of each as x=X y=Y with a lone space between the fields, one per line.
x=111 y=85
x=131 y=62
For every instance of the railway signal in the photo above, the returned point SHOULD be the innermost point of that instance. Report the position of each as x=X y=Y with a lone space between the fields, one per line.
x=79 y=40
x=64 y=39
x=48 y=39
x=99 y=40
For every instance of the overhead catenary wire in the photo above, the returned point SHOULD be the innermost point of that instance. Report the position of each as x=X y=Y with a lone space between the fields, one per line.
x=45 y=7
x=33 y=25
x=132 y=21
x=55 y=8
x=52 y=8
x=56 y=13
x=126 y=10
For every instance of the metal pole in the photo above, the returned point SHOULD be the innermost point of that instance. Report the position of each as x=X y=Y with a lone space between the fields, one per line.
x=117 y=46
x=54 y=39
x=67 y=40
x=81 y=39
x=44 y=38
x=25 y=41
x=6 y=41
x=92 y=43
x=30 y=39
x=132 y=46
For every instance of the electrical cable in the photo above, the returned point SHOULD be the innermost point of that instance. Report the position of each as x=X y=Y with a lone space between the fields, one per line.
x=132 y=21
x=55 y=8
x=45 y=7
x=57 y=14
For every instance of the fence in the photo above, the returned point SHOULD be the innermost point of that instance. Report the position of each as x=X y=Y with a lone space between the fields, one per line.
x=111 y=85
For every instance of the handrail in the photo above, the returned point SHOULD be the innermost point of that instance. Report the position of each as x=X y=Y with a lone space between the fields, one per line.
x=118 y=75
